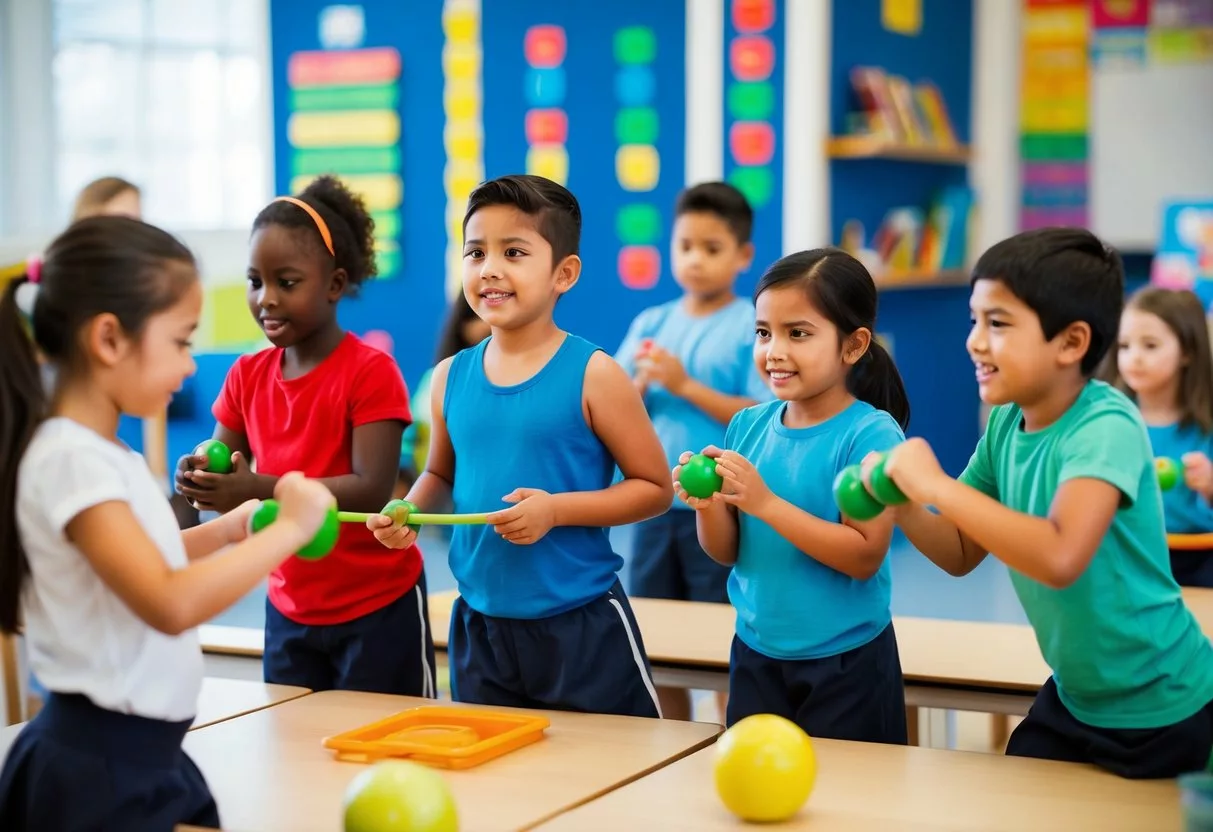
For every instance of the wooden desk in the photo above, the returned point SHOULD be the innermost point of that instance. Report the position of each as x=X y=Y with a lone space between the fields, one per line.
x=865 y=787
x=961 y=665
x=219 y=700
x=268 y=770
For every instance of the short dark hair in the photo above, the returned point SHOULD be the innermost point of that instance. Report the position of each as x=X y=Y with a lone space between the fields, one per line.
x=349 y=222
x=723 y=200
x=1064 y=275
x=555 y=210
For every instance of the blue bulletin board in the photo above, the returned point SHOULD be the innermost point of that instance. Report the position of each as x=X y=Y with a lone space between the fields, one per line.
x=592 y=95
x=753 y=120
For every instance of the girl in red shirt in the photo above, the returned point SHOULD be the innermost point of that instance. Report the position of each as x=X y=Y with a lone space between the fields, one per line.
x=322 y=402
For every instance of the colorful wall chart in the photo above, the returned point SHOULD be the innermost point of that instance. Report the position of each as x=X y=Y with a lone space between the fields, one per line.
x=344 y=120
x=753 y=116
x=463 y=136
x=1054 y=114
x=592 y=95
x=638 y=223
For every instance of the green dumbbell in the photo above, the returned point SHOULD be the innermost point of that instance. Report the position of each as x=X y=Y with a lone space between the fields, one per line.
x=855 y=500
x=319 y=546
x=218 y=456
x=698 y=477
x=1169 y=472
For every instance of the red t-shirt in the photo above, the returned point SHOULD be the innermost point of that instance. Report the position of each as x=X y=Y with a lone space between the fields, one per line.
x=307 y=424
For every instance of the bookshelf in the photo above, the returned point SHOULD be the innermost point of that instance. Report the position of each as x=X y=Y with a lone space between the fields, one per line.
x=877 y=147
x=891 y=281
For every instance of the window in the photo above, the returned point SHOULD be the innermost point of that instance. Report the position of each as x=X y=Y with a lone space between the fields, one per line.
x=171 y=94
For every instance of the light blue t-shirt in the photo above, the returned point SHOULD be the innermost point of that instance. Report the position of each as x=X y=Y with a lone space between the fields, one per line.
x=1125 y=650
x=528 y=435
x=717 y=350
x=790 y=606
x=1186 y=511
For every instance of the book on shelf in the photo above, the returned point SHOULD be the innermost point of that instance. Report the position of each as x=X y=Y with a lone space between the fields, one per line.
x=893 y=109
x=912 y=242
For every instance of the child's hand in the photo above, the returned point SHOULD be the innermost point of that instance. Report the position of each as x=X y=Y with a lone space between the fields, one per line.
x=1198 y=473
x=743 y=486
x=697 y=503
x=303 y=502
x=390 y=533
x=660 y=366
x=236 y=522
x=220 y=492
x=187 y=463
x=913 y=467
x=532 y=516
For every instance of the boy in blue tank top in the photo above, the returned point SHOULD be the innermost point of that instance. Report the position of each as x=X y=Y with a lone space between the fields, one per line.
x=537 y=418
x=692 y=359
x=1062 y=489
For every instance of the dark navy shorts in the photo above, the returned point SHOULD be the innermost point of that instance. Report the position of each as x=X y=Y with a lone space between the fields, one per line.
x=857 y=695
x=1193 y=568
x=590 y=658
x=668 y=562
x=1051 y=732
x=79 y=767
x=390 y=650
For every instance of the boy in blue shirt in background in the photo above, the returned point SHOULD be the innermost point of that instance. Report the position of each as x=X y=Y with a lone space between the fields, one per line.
x=691 y=358
x=537 y=419
x=1062 y=489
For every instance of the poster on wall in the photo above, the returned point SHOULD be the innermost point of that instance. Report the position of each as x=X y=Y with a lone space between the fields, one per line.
x=1054 y=114
x=753 y=115
x=1185 y=249
x=592 y=96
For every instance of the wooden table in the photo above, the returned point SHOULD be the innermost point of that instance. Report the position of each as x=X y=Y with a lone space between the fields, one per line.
x=865 y=787
x=219 y=700
x=948 y=664
x=268 y=770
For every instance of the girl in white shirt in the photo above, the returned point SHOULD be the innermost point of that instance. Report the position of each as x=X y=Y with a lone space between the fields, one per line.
x=93 y=567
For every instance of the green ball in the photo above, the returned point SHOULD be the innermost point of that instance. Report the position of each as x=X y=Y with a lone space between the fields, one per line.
x=218 y=456
x=325 y=539
x=698 y=477
x=264 y=515
x=1169 y=472
x=884 y=489
x=394 y=507
x=399 y=796
x=319 y=546
x=852 y=497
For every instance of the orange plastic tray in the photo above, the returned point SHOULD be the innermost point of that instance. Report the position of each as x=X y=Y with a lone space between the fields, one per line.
x=440 y=736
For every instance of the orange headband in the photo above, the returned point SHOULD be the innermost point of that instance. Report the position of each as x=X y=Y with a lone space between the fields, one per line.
x=321 y=226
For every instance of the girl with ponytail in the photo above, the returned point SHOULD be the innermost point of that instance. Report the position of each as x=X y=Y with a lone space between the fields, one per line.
x=814 y=640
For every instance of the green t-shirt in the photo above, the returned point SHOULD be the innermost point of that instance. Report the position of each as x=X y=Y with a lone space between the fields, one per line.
x=1124 y=649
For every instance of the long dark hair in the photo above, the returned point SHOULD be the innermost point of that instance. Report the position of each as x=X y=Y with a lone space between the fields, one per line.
x=99 y=265
x=840 y=288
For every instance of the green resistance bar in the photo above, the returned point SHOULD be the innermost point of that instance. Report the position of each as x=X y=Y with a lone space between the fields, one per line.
x=419 y=519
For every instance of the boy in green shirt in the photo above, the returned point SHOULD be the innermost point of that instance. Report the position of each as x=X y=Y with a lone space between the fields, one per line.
x=1062 y=489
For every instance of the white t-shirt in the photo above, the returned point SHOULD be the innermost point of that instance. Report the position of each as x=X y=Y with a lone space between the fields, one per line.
x=82 y=638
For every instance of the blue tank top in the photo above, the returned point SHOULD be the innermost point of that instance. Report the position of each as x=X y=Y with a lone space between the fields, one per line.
x=529 y=435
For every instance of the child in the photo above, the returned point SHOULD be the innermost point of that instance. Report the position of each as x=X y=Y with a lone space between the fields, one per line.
x=1163 y=363
x=462 y=329
x=321 y=401
x=537 y=418
x=692 y=360
x=93 y=568
x=108 y=196
x=1062 y=489
x=814 y=640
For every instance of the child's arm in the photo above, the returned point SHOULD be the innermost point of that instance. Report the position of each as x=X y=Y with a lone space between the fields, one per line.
x=616 y=414
x=432 y=490
x=1052 y=550
x=855 y=549
x=175 y=600
x=939 y=539
x=664 y=368
x=715 y=520
x=209 y=537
